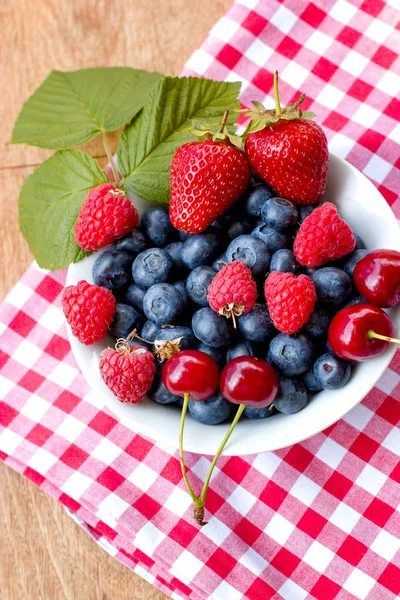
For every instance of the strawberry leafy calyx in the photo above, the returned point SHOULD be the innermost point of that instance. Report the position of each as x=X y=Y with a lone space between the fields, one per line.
x=202 y=130
x=261 y=117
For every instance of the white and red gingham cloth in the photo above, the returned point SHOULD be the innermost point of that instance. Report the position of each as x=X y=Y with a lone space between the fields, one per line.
x=317 y=520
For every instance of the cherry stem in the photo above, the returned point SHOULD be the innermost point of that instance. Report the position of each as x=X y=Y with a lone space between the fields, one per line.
x=234 y=320
x=223 y=122
x=278 y=109
x=371 y=335
x=218 y=454
x=111 y=159
x=186 y=398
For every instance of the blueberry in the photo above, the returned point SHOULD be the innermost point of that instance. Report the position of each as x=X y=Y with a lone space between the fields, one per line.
x=152 y=266
x=290 y=355
x=284 y=261
x=134 y=243
x=310 y=382
x=258 y=413
x=305 y=211
x=181 y=287
x=159 y=393
x=125 y=320
x=134 y=296
x=257 y=326
x=243 y=348
x=201 y=249
x=162 y=303
x=183 y=236
x=212 y=411
x=256 y=198
x=274 y=240
x=220 y=262
x=188 y=341
x=112 y=269
x=331 y=372
x=292 y=396
x=149 y=331
x=355 y=300
x=279 y=214
x=350 y=263
x=360 y=244
x=225 y=219
x=318 y=324
x=310 y=271
x=156 y=226
x=252 y=251
x=333 y=286
x=174 y=250
x=212 y=329
x=237 y=228
x=197 y=284
x=218 y=354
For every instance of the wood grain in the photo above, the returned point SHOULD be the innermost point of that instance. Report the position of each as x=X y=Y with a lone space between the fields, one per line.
x=44 y=555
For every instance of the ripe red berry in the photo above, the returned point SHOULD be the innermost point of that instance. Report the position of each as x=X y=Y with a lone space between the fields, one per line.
x=89 y=310
x=323 y=236
x=106 y=215
x=128 y=371
x=290 y=300
x=233 y=291
x=206 y=179
x=191 y=372
x=249 y=380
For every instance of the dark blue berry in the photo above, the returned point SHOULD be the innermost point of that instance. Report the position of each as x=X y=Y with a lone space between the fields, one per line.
x=218 y=354
x=152 y=266
x=279 y=214
x=197 y=284
x=174 y=250
x=305 y=211
x=134 y=296
x=258 y=413
x=183 y=236
x=350 y=263
x=125 y=320
x=225 y=219
x=159 y=393
x=284 y=261
x=256 y=197
x=187 y=342
x=162 y=303
x=292 y=396
x=290 y=355
x=212 y=329
x=156 y=226
x=112 y=269
x=310 y=382
x=252 y=251
x=257 y=326
x=181 y=287
x=355 y=300
x=360 y=244
x=237 y=228
x=333 y=286
x=273 y=239
x=201 y=249
x=243 y=348
x=134 y=243
x=149 y=331
x=318 y=324
x=220 y=262
x=212 y=411
x=331 y=372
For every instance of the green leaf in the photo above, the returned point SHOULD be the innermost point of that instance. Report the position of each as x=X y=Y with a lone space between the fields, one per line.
x=147 y=145
x=308 y=115
x=49 y=204
x=71 y=108
x=258 y=105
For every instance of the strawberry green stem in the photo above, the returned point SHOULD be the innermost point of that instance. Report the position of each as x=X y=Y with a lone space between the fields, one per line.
x=278 y=109
x=110 y=159
x=372 y=335
x=182 y=460
x=223 y=122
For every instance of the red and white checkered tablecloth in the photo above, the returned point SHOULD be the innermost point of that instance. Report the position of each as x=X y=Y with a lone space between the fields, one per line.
x=316 y=520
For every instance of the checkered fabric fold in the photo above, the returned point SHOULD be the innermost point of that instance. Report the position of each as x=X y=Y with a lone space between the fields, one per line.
x=317 y=520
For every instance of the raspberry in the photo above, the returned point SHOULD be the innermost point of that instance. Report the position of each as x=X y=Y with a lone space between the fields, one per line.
x=89 y=310
x=106 y=215
x=323 y=236
x=128 y=371
x=290 y=300
x=233 y=291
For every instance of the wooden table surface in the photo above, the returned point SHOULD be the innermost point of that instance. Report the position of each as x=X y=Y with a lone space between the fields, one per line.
x=43 y=553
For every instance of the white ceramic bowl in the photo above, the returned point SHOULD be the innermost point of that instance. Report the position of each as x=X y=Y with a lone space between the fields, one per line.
x=360 y=203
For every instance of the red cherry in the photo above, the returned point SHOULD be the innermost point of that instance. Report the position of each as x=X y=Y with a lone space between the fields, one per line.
x=360 y=332
x=377 y=277
x=249 y=380
x=191 y=372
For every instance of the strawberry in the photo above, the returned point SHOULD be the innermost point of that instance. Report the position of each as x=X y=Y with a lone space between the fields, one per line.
x=288 y=150
x=207 y=177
